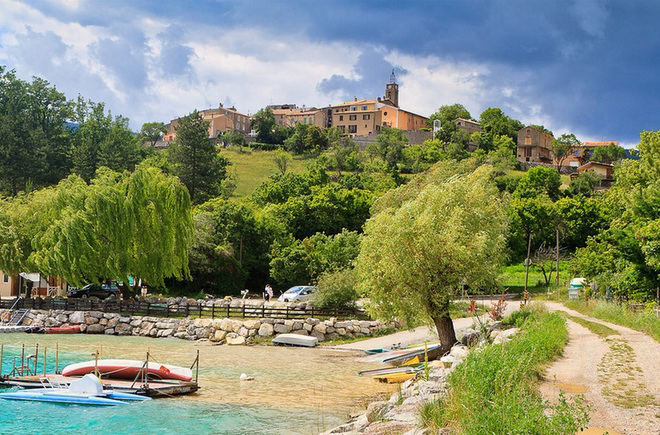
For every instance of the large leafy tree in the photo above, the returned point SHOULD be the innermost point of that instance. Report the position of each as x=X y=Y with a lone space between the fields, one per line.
x=152 y=132
x=304 y=261
x=329 y=208
x=626 y=256
x=231 y=248
x=196 y=162
x=35 y=145
x=133 y=224
x=562 y=147
x=494 y=122
x=102 y=140
x=447 y=116
x=608 y=154
x=414 y=257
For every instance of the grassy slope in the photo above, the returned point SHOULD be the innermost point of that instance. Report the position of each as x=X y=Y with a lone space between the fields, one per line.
x=253 y=167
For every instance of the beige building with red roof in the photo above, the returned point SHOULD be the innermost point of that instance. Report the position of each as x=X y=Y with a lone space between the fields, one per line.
x=365 y=117
x=583 y=153
x=220 y=120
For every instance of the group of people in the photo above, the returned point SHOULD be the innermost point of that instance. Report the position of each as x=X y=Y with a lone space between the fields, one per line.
x=268 y=292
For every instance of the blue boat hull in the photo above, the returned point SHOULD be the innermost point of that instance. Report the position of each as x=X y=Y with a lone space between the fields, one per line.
x=49 y=395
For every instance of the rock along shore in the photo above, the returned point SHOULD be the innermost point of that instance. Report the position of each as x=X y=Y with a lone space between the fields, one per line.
x=230 y=331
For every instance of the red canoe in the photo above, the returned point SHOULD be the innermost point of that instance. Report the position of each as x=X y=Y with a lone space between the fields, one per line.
x=128 y=369
x=63 y=330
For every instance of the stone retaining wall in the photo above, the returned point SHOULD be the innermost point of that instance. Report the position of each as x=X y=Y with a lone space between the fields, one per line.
x=230 y=331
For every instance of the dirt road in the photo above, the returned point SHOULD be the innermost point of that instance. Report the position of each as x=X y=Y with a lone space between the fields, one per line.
x=619 y=376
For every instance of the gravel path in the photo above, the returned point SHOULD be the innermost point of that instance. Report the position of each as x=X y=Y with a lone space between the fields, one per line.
x=618 y=375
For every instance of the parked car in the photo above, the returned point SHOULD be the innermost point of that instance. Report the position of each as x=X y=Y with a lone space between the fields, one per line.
x=100 y=291
x=298 y=293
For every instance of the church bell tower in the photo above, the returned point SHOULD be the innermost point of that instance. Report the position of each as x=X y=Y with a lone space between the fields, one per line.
x=392 y=90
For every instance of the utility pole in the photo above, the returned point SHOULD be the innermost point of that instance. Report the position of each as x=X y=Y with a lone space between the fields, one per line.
x=527 y=261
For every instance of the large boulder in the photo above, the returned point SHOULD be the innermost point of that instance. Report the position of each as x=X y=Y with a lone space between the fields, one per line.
x=234 y=339
x=470 y=337
x=266 y=330
x=252 y=324
x=282 y=328
x=77 y=317
x=95 y=328
x=219 y=335
x=123 y=329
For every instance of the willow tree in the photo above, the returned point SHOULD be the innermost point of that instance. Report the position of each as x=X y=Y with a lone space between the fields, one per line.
x=414 y=256
x=133 y=224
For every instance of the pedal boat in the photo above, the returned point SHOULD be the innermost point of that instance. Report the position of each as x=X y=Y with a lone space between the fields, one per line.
x=85 y=391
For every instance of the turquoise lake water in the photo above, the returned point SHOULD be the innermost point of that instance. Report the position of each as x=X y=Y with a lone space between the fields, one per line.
x=296 y=391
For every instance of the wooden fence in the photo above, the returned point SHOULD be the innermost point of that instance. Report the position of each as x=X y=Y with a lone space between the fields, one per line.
x=138 y=308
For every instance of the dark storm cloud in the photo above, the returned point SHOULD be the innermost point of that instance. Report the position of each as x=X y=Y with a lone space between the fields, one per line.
x=372 y=71
x=592 y=66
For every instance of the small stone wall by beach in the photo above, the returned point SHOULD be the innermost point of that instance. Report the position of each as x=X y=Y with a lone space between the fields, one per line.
x=230 y=331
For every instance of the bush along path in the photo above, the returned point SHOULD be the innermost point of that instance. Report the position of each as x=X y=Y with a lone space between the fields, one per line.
x=616 y=370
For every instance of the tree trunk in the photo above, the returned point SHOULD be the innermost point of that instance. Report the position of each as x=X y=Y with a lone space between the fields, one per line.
x=446 y=332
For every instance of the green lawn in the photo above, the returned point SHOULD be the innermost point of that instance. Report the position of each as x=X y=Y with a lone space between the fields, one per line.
x=513 y=278
x=253 y=167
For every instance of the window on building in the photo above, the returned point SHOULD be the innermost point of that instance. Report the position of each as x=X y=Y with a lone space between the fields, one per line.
x=341 y=117
x=367 y=116
x=5 y=278
x=364 y=107
x=352 y=128
x=385 y=113
x=576 y=153
x=528 y=152
x=352 y=117
x=353 y=108
x=528 y=140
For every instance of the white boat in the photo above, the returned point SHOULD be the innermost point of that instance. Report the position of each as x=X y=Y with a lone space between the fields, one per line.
x=128 y=369
x=296 y=340
x=85 y=391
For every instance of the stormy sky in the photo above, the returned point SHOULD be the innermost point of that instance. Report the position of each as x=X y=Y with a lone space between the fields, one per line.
x=589 y=67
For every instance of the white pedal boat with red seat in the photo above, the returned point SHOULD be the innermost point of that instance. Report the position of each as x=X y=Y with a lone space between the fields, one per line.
x=128 y=369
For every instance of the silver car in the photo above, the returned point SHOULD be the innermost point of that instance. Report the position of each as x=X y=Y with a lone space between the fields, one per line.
x=298 y=293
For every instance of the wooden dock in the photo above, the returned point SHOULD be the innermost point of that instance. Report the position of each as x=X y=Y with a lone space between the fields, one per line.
x=160 y=388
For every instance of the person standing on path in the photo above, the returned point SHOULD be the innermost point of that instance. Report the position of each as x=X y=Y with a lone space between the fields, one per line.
x=269 y=292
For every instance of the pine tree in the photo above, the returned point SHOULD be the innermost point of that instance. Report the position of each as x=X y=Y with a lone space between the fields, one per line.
x=196 y=161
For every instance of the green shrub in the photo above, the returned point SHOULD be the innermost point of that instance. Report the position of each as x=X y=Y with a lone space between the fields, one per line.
x=493 y=391
x=517 y=318
x=336 y=289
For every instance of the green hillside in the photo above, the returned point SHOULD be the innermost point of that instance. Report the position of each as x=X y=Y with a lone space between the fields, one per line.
x=253 y=167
